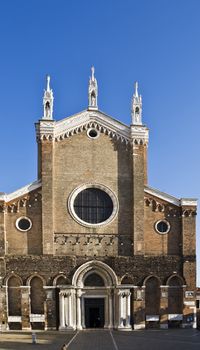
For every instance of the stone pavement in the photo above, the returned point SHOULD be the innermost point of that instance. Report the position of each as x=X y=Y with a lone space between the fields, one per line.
x=52 y=340
x=92 y=340
x=188 y=339
x=143 y=340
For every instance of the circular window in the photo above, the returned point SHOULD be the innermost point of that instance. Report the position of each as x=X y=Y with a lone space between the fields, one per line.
x=93 y=205
x=162 y=226
x=23 y=224
x=93 y=133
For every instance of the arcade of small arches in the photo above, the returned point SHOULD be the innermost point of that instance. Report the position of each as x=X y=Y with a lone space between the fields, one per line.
x=93 y=299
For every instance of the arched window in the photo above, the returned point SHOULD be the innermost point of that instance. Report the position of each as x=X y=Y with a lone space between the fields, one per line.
x=175 y=296
x=94 y=280
x=14 y=296
x=152 y=296
x=37 y=296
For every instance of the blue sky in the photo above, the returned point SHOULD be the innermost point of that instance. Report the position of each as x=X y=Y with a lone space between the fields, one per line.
x=155 y=42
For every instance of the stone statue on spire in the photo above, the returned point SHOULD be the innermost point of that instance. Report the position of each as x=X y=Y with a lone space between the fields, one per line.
x=136 y=107
x=92 y=91
x=48 y=101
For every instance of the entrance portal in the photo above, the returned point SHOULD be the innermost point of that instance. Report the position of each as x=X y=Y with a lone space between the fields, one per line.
x=94 y=312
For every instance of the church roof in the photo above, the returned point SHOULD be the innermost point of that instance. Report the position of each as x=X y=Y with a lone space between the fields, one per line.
x=148 y=190
x=170 y=199
x=21 y=192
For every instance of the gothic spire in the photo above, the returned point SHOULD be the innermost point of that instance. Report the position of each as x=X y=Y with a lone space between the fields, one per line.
x=136 y=107
x=92 y=91
x=48 y=101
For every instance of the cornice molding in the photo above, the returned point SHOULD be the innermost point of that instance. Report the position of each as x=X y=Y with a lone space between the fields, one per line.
x=21 y=192
x=45 y=130
x=190 y=202
x=139 y=135
x=92 y=119
x=51 y=130
x=161 y=195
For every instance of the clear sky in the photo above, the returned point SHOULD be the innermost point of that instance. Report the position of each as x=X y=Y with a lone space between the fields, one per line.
x=156 y=42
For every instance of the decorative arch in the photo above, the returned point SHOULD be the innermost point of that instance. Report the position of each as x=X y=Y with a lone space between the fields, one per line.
x=28 y=282
x=103 y=270
x=150 y=276
x=60 y=276
x=178 y=277
x=93 y=279
x=13 y=275
x=126 y=279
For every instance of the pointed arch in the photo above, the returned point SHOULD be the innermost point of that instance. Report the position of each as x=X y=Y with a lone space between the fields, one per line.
x=28 y=281
x=126 y=279
x=61 y=279
x=175 y=280
x=150 y=276
x=103 y=270
x=13 y=275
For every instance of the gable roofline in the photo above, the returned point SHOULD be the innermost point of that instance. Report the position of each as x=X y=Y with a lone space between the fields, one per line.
x=170 y=199
x=93 y=112
x=79 y=121
x=88 y=118
x=162 y=195
x=21 y=191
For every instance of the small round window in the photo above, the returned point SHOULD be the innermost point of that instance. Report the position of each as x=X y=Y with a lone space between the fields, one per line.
x=93 y=133
x=162 y=226
x=23 y=224
x=93 y=205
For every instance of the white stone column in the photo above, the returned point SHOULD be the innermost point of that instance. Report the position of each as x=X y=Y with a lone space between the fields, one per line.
x=124 y=309
x=110 y=303
x=128 y=308
x=61 y=310
x=120 y=320
x=70 y=310
x=106 y=312
x=66 y=306
x=73 y=298
x=83 y=312
x=78 y=309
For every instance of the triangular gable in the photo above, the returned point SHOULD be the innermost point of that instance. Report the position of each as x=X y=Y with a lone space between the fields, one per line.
x=88 y=119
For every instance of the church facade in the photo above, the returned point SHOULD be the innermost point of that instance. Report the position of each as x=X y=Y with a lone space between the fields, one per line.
x=90 y=244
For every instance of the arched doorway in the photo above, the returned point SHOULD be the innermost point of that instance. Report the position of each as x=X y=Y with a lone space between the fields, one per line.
x=94 y=308
x=94 y=299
